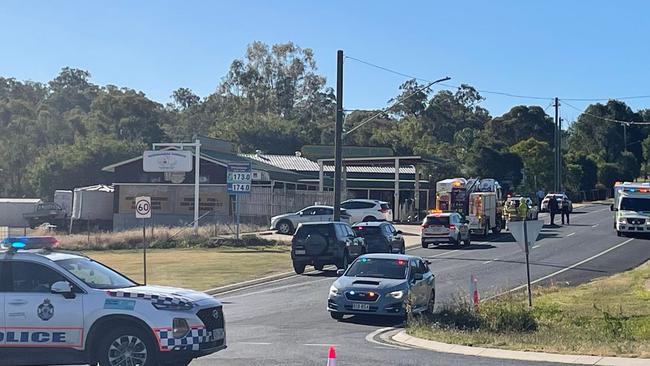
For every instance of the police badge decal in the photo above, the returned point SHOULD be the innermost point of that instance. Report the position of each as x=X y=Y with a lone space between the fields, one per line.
x=45 y=310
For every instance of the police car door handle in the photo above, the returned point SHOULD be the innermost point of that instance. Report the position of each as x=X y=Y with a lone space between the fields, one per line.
x=18 y=302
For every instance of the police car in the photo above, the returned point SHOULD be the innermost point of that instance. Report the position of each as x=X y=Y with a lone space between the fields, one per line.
x=64 y=308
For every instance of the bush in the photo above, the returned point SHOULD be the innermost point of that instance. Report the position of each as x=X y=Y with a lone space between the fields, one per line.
x=497 y=316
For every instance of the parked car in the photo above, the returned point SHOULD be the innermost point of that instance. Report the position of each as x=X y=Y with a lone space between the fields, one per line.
x=323 y=243
x=362 y=210
x=511 y=209
x=380 y=237
x=559 y=197
x=287 y=223
x=445 y=227
x=383 y=284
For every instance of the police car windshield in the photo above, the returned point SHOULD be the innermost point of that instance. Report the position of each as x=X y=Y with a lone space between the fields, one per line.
x=95 y=274
x=378 y=268
x=635 y=204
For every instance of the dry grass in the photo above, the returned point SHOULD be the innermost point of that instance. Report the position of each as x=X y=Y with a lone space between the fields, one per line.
x=606 y=317
x=198 y=269
x=133 y=238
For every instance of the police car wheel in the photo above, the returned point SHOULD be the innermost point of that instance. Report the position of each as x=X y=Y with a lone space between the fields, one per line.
x=127 y=346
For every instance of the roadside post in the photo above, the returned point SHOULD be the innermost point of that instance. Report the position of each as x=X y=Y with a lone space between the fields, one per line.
x=143 y=211
x=473 y=289
x=238 y=179
x=525 y=233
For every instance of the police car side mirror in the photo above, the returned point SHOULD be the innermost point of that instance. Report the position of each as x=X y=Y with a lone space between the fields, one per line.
x=62 y=288
x=340 y=272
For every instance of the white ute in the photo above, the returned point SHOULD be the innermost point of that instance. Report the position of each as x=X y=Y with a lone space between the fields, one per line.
x=64 y=308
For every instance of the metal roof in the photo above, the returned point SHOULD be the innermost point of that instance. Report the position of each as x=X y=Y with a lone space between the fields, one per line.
x=302 y=164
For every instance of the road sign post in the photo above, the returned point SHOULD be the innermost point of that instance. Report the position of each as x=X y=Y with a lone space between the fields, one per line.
x=239 y=180
x=143 y=211
x=525 y=233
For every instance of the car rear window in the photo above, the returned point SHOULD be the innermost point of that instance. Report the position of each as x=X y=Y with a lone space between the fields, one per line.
x=364 y=231
x=437 y=220
x=385 y=206
x=305 y=230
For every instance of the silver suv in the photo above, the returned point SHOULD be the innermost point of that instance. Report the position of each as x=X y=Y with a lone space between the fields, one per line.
x=445 y=227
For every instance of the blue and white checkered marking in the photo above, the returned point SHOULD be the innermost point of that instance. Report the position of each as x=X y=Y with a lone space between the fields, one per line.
x=191 y=342
x=177 y=302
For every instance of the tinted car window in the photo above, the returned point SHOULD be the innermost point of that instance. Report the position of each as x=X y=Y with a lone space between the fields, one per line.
x=366 y=205
x=385 y=206
x=324 y=211
x=380 y=268
x=437 y=220
x=387 y=229
x=341 y=233
x=348 y=230
x=33 y=277
x=309 y=211
x=423 y=267
x=305 y=230
x=351 y=205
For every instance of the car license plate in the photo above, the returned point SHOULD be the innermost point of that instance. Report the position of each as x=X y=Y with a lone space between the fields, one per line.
x=357 y=306
x=301 y=252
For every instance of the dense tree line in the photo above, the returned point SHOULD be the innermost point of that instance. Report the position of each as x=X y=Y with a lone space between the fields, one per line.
x=58 y=135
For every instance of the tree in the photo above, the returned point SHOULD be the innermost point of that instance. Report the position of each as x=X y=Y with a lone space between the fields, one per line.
x=629 y=167
x=521 y=123
x=608 y=174
x=589 y=168
x=593 y=134
x=184 y=98
x=505 y=167
x=538 y=165
x=574 y=177
x=645 y=145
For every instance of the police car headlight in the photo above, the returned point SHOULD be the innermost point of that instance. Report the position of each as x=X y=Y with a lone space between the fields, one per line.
x=622 y=220
x=396 y=294
x=180 y=328
x=334 y=291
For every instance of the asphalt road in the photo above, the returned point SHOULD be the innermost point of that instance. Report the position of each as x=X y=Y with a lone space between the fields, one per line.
x=285 y=322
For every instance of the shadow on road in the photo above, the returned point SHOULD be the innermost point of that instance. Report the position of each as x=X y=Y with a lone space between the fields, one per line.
x=471 y=247
x=323 y=273
x=374 y=320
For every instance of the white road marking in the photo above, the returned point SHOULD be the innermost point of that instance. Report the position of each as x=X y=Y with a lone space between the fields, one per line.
x=572 y=234
x=255 y=343
x=275 y=289
x=595 y=225
x=441 y=254
x=320 y=345
x=567 y=268
x=371 y=338
x=537 y=246
x=491 y=260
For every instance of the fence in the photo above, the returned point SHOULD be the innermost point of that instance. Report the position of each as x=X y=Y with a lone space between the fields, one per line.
x=268 y=202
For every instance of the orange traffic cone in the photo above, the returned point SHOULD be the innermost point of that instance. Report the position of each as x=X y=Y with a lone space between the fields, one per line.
x=331 y=358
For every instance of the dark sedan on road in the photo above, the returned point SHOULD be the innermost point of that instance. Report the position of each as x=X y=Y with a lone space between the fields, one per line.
x=380 y=237
x=383 y=284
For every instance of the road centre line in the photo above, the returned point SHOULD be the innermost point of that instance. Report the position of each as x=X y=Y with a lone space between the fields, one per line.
x=256 y=343
x=491 y=260
x=565 y=269
x=595 y=225
x=320 y=345
x=276 y=288
x=572 y=234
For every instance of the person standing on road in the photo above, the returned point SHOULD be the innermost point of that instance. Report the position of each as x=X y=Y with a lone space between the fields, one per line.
x=553 y=208
x=565 y=212
x=523 y=209
x=540 y=197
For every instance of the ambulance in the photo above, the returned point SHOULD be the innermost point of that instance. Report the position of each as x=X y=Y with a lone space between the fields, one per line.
x=63 y=308
x=631 y=208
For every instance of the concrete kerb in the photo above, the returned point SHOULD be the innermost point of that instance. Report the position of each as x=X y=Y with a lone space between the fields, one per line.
x=402 y=338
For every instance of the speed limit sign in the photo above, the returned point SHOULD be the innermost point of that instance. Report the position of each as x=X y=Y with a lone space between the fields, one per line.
x=143 y=207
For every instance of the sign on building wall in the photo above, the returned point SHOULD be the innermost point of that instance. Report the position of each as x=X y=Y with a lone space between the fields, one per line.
x=167 y=161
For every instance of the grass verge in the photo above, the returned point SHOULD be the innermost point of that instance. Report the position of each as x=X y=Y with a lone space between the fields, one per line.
x=607 y=317
x=198 y=268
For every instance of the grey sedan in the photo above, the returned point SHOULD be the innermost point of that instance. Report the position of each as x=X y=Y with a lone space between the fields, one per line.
x=383 y=284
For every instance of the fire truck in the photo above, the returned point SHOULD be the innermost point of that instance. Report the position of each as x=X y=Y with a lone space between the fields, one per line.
x=480 y=201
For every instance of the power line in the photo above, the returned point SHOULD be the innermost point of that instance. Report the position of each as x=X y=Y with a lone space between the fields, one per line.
x=513 y=95
x=606 y=118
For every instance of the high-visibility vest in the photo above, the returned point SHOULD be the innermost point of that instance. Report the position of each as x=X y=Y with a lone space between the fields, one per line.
x=523 y=209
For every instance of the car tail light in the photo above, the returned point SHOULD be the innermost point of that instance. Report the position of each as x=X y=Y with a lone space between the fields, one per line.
x=452 y=227
x=383 y=210
x=424 y=226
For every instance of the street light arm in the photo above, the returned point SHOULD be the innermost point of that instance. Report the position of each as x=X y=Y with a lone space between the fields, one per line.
x=399 y=101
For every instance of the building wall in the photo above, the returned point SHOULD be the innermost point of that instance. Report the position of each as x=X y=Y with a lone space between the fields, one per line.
x=211 y=173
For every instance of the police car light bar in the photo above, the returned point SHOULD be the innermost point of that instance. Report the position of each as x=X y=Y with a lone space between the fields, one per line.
x=29 y=242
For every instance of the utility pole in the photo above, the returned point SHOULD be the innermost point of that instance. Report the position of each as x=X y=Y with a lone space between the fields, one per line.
x=559 y=153
x=338 y=134
x=625 y=137
x=556 y=104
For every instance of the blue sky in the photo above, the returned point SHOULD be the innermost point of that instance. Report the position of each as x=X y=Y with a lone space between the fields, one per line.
x=570 y=49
